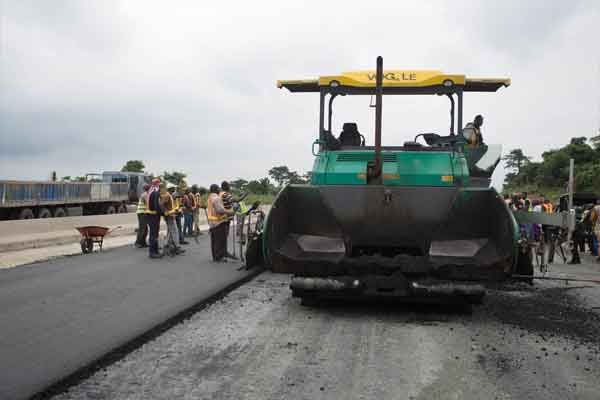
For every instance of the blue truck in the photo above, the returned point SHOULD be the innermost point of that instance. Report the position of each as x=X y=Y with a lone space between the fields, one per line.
x=106 y=193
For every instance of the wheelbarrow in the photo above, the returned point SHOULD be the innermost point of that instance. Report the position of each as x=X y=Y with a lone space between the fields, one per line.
x=91 y=235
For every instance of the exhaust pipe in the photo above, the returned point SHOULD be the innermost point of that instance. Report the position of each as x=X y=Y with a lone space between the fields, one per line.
x=374 y=168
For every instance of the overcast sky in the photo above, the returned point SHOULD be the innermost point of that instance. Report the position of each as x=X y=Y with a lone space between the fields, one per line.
x=190 y=85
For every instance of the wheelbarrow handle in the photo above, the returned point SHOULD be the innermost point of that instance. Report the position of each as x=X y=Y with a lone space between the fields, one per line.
x=113 y=229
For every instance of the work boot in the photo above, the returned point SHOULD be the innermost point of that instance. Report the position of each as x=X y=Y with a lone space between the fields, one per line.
x=179 y=250
x=183 y=242
x=229 y=255
x=156 y=255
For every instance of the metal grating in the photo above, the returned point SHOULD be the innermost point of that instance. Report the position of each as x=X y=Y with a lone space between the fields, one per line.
x=364 y=157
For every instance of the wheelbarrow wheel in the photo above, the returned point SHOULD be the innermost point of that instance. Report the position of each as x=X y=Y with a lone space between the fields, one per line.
x=87 y=245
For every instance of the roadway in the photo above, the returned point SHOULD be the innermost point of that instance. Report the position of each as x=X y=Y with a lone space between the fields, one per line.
x=57 y=316
x=524 y=342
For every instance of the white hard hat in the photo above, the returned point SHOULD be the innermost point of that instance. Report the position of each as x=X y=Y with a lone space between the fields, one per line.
x=170 y=185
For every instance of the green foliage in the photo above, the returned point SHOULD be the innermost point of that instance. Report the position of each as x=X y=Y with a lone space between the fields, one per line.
x=133 y=166
x=282 y=175
x=238 y=184
x=515 y=159
x=174 y=177
x=552 y=173
x=262 y=186
x=595 y=141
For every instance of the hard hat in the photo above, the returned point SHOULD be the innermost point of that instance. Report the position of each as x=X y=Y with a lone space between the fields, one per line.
x=156 y=181
x=170 y=186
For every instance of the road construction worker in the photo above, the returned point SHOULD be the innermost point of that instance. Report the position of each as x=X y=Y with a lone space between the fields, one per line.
x=596 y=223
x=142 y=231
x=178 y=196
x=548 y=207
x=153 y=213
x=472 y=131
x=218 y=221
x=170 y=210
x=228 y=204
x=196 y=213
x=189 y=205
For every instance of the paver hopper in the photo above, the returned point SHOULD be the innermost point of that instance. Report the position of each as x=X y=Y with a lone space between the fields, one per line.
x=415 y=221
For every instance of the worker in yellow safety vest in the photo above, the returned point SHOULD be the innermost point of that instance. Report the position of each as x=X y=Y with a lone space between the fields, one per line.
x=218 y=220
x=141 y=212
x=196 y=213
x=178 y=196
x=170 y=211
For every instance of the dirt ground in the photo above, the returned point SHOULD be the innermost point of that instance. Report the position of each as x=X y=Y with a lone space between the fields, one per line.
x=523 y=342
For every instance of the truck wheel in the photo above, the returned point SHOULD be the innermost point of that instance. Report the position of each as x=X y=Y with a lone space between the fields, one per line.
x=122 y=209
x=110 y=210
x=26 y=213
x=44 y=213
x=60 y=212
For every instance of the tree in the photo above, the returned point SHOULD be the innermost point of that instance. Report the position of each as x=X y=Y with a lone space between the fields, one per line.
x=595 y=140
x=66 y=178
x=280 y=174
x=238 y=184
x=175 y=177
x=515 y=160
x=579 y=140
x=295 y=178
x=133 y=166
x=308 y=176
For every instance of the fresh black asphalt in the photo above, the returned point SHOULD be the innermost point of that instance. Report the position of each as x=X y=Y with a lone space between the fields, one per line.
x=60 y=315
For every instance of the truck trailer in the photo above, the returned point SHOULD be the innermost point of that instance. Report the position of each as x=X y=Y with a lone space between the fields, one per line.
x=106 y=193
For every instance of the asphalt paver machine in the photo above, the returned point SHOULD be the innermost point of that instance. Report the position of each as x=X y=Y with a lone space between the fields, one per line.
x=416 y=221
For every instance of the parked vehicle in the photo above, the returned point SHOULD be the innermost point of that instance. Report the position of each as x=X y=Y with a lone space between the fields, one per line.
x=106 y=193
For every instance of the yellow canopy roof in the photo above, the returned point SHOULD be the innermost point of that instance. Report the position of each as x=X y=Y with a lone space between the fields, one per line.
x=423 y=81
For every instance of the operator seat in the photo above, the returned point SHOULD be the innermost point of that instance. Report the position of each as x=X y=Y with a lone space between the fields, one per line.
x=350 y=135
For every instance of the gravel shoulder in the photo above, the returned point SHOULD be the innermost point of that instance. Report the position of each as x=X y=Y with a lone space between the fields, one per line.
x=534 y=342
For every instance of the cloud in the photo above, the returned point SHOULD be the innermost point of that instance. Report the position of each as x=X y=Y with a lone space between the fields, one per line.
x=190 y=86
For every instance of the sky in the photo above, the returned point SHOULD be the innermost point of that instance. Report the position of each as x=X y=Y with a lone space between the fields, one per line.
x=191 y=86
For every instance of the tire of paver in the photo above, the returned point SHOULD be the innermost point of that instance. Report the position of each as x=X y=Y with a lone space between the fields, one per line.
x=44 y=213
x=26 y=213
x=525 y=265
x=111 y=210
x=60 y=212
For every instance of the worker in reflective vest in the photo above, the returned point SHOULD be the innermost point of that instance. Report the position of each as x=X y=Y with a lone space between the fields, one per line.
x=218 y=220
x=196 y=211
x=188 y=203
x=153 y=213
x=142 y=231
x=170 y=211
x=548 y=206
x=178 y=196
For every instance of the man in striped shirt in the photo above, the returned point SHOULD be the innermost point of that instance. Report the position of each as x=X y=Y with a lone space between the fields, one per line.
x=228 y=203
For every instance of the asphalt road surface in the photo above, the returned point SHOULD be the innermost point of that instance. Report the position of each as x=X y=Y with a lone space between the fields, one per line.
x=57 y=316
x=524 y=342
